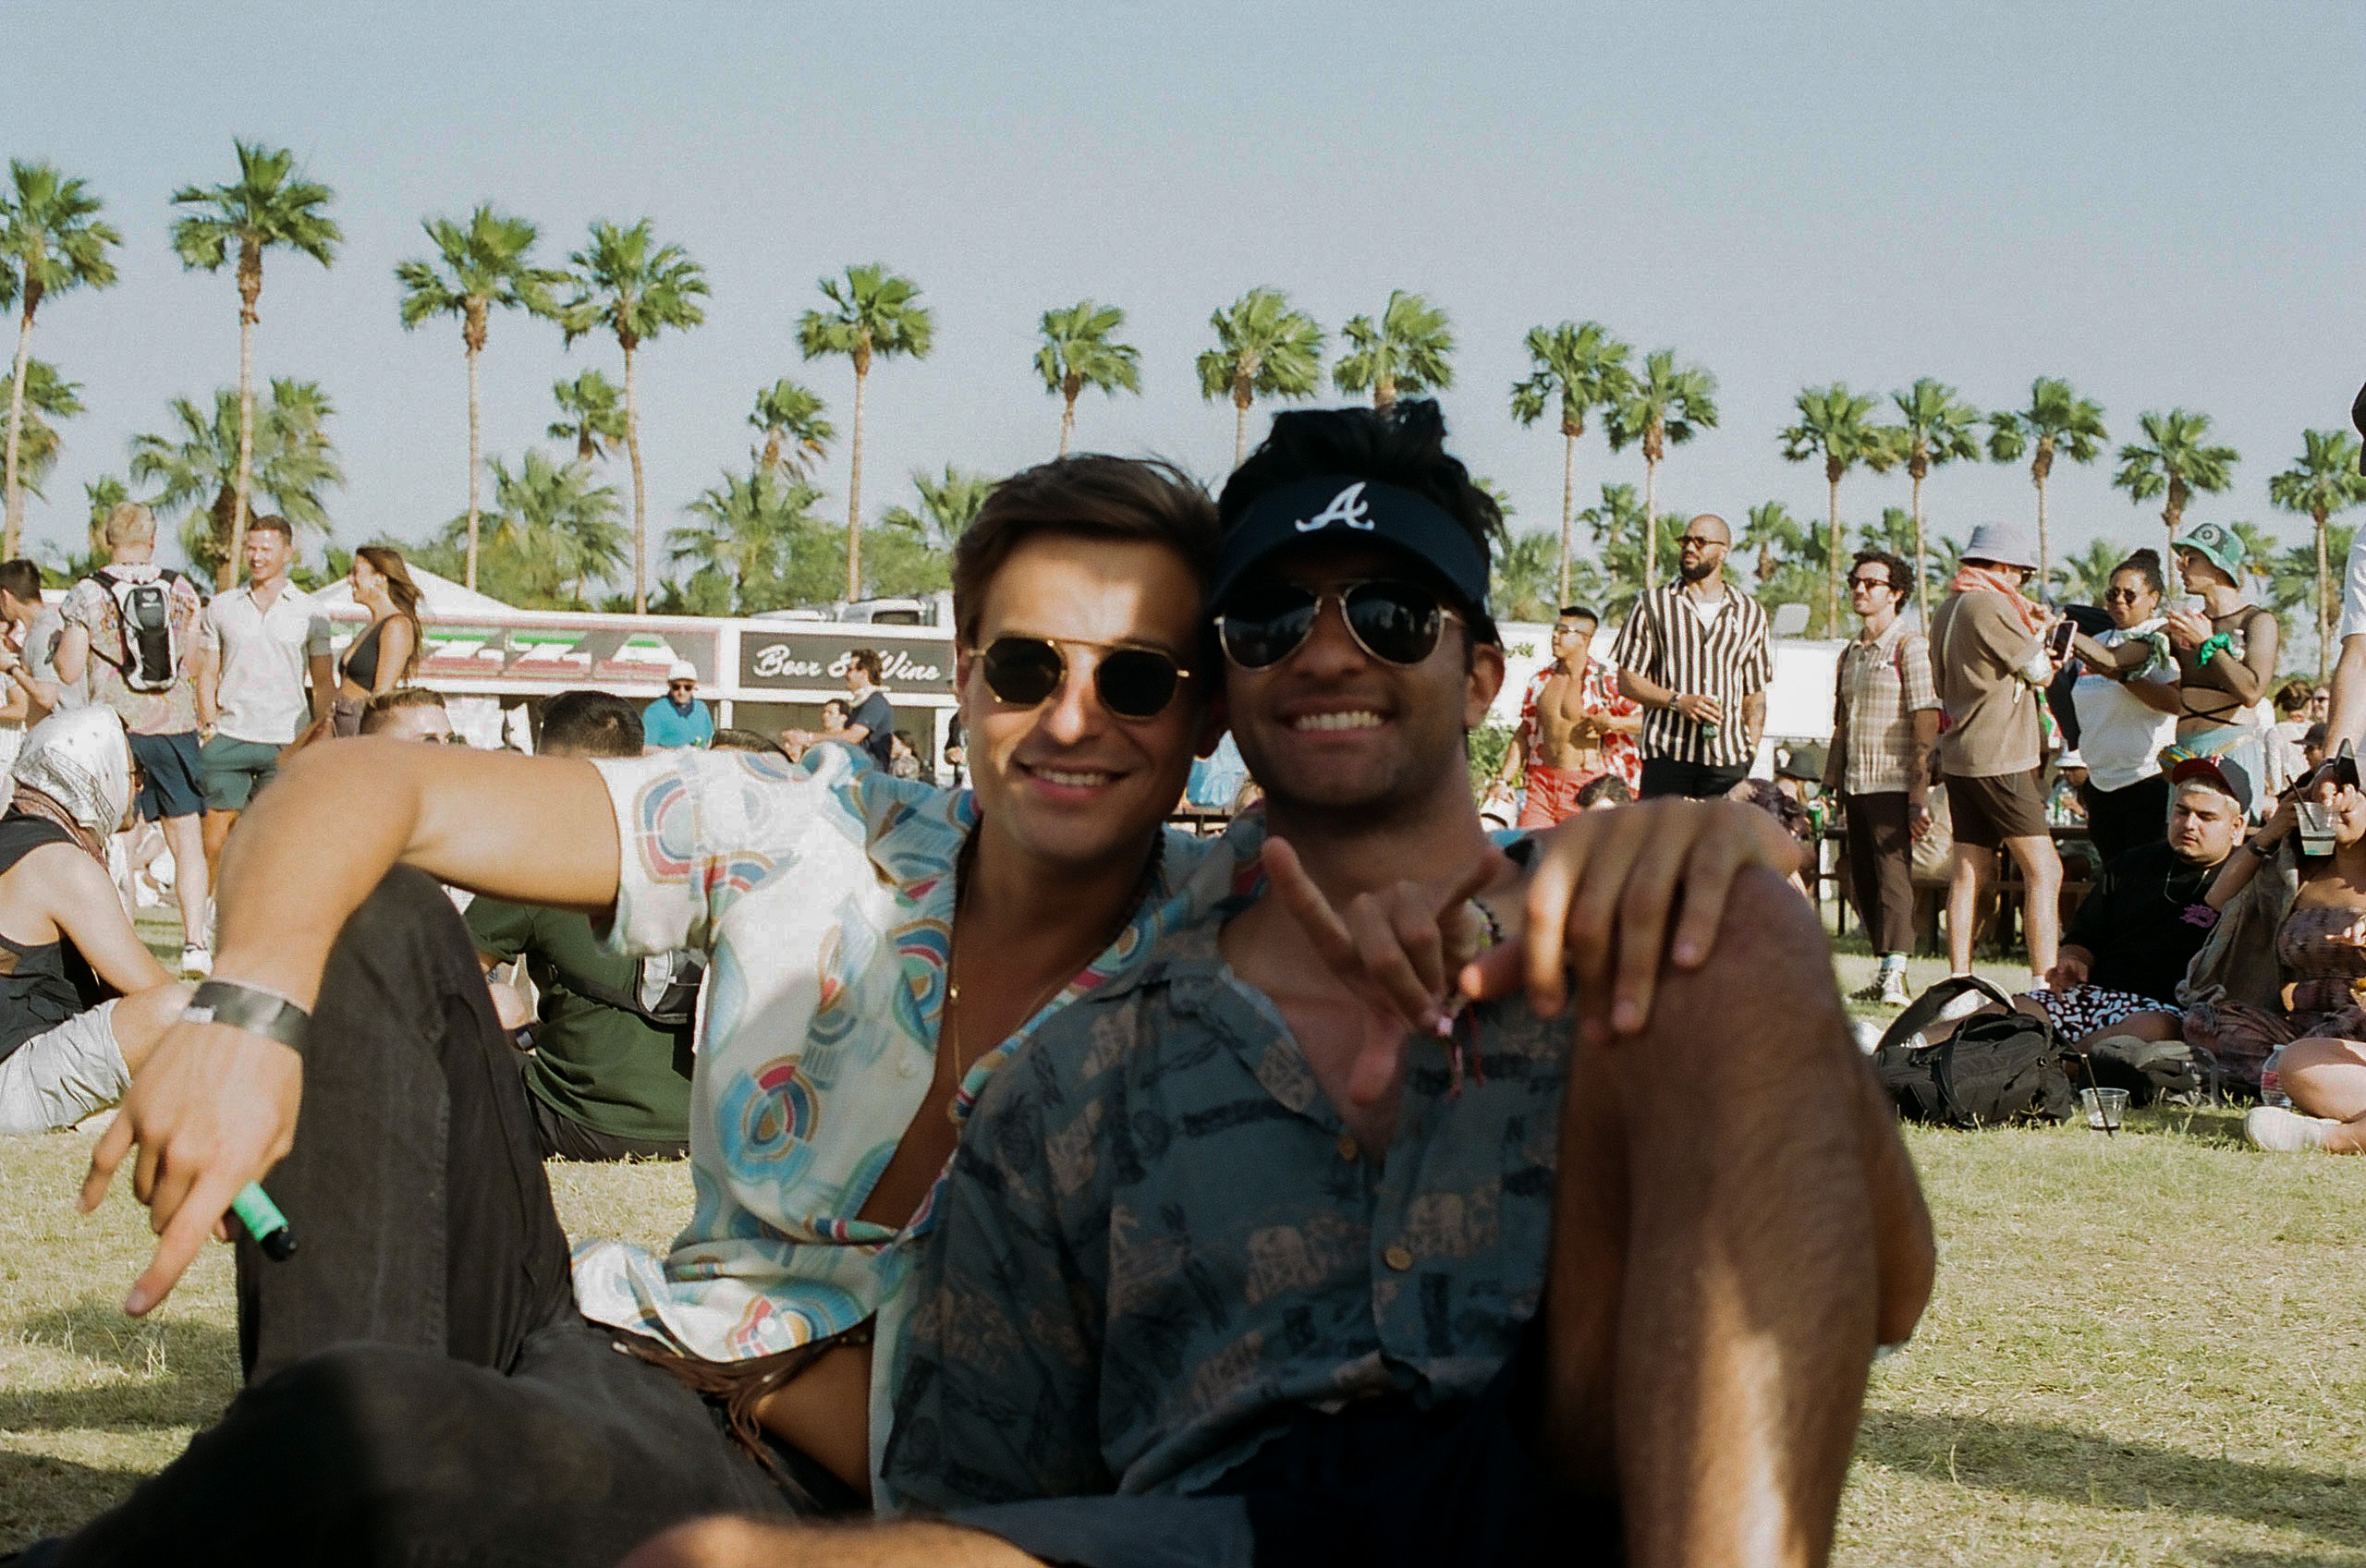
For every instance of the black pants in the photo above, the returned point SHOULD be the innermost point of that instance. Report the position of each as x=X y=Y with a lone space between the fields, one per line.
x=564 y=1138
x=2120 y=820
x=1880 y=869
x=1699 y=781
x=420 y=1387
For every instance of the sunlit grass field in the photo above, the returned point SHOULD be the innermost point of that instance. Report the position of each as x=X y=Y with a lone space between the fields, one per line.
x=2145 y=1349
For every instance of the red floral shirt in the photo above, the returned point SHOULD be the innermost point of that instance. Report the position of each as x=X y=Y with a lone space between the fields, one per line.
x=1597 y=694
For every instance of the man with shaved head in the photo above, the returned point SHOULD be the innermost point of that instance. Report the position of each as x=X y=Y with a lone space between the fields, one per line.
x=1695 y=655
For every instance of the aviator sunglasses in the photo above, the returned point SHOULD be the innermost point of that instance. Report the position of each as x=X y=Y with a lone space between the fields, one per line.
x=1132 y=683
x=1396 y=622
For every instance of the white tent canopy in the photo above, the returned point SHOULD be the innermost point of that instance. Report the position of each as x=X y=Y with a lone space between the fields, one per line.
x=440 y=597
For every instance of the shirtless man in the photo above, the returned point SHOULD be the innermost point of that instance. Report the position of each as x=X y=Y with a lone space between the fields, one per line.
x=1574 y=727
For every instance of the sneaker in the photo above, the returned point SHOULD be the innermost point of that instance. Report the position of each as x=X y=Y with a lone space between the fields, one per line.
x=1894 y=992
x=196 y=963
x=2285 y=1132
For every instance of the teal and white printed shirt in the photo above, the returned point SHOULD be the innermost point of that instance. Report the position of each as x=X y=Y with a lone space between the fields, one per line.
x=822 y=895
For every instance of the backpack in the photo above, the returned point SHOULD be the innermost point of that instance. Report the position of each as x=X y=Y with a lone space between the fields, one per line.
x=1992 y=1071
x=671 y=1011
x=2172 y=1071
x=151 y=643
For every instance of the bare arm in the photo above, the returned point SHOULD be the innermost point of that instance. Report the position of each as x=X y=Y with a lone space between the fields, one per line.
x=324 y=671
x=215 y=1106
x=205 y=673
x=1639 y=688
x=2347 y=721
x=84 y=906
x=2242 y=865
x=395 y=645
x=2249 y=677
x=853 y=734
x=74 y=654
x=2117 y=661
x=2162 y=696
x=1753 y=718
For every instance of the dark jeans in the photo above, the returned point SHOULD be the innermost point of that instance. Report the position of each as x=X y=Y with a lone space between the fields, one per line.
x=2119 y=820
x=420 y=1385
x=1881 y=848
x=564 y=1138
x=1665 y=775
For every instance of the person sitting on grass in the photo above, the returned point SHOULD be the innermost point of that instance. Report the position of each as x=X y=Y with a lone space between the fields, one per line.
x=82 y=1001
x=609 y=1073
x=1243 y=1259
x=2148 y=913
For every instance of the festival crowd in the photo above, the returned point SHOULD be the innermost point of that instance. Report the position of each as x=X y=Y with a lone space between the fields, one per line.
x=1355 y=1183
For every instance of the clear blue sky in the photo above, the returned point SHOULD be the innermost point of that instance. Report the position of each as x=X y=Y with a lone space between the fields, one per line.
x=2161 y=202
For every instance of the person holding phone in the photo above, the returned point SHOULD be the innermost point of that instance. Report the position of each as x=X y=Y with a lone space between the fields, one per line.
x=1990 y=654
x=2125 y=700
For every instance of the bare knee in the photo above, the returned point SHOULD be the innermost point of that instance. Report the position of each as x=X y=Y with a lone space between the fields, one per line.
x=2302 y=1055
x=141 y=1019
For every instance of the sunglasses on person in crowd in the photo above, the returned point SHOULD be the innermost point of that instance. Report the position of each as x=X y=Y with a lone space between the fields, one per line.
x=1396 y=622
x=1867 y=582
x=1132 y=683
x=2123 y=595
x=1698 y=540
x=681 y=686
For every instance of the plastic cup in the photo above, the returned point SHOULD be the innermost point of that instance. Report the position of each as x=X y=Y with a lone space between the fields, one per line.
x=2106 y=1109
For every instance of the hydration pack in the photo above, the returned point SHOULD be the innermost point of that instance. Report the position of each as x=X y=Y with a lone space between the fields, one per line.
x=1995 y=1069
x=143 y=614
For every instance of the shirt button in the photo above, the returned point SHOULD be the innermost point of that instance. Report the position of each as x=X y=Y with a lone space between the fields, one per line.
x=1347 y=1150
x=1399 y=1258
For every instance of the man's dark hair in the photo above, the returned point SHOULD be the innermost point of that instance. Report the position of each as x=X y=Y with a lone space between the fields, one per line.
x=1901 y=576
x=1403 y=444
x=272 y=522
x=21 y=578
x=746 y=740
x=1577 y=613
x=590 y=723
x=868 y=660
x=1610 y=787
x=1087 y=496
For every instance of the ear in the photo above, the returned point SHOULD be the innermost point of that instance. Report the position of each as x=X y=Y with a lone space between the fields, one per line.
x=1485 y=680
x=1215 y=718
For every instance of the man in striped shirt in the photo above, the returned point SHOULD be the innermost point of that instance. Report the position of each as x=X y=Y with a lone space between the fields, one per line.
x=1695 y=655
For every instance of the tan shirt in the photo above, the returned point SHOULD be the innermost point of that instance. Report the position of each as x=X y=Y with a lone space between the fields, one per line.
x=1977 y=650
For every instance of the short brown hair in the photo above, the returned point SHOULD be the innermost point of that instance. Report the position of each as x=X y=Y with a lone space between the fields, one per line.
x=377 y=715
x=272 y=522
x=870 y=663
x=1088 y=496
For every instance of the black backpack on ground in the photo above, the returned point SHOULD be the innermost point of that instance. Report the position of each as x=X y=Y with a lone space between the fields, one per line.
x=1993 y=1070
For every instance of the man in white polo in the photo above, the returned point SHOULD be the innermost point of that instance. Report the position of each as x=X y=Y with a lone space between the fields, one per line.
x=268 y=642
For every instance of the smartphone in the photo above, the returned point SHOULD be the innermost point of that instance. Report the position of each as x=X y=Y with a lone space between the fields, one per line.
x=2057 y=641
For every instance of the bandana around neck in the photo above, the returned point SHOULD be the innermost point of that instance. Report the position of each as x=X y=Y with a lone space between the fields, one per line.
x=1970 y=579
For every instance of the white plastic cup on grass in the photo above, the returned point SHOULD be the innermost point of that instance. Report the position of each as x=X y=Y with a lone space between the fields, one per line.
x=2106 y=1109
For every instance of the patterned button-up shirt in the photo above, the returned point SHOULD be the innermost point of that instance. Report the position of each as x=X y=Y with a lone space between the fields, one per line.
x=1159 y=1241
x=1598 y=693
x=1727 y=657
x=822 y=895
x=1881 y=686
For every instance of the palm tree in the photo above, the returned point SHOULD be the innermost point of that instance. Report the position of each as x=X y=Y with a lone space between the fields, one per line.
x=2174 y=462
x=749 y=533
x=1835 y=425
x=796 y=436
x=46 y=396
x=1078 y=352
x=636 y=288
x=553 y=529
x=1264 y=349
x=1409 y=350
x=284 y=451
x=1578 y=367
x=594 y=411
x=912 y=552
x=1936 y=428
x=484 y=265
x=2324 y=479
x=266 y=206
x=1523 y=586
x=1790 y=565
x=1664 y=406
x=874 y=314
x=1617 y=527
x=50 y=242
x=2058 y=423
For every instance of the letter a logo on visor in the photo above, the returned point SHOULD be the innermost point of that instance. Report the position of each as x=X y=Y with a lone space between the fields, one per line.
x=1347 y=508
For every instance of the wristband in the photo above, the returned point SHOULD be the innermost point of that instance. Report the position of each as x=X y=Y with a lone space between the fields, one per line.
x=257 y=1012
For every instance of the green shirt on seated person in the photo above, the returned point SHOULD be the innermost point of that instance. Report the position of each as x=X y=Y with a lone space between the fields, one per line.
x=593 y=1064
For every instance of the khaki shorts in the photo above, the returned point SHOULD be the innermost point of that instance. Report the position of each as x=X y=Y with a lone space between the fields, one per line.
x=55 y=1079
x=1988 y=811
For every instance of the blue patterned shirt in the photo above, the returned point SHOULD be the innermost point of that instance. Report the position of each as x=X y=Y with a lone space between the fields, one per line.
x=1159 y=1241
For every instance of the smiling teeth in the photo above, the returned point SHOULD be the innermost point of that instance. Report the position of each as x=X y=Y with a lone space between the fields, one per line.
x=1073 y=781
x=1360 y=720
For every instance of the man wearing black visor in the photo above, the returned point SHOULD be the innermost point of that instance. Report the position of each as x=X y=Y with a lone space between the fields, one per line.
x=1244 y=1260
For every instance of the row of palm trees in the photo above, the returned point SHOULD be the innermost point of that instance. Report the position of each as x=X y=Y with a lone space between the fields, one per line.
x=626 y=283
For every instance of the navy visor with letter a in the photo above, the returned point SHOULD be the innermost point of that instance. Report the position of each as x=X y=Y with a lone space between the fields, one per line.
x=1342 y=509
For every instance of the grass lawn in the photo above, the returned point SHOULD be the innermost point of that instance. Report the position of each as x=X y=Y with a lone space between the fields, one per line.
x=2150 y=1349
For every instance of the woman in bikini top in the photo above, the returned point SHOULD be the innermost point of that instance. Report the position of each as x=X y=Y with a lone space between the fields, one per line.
x=2241 y=639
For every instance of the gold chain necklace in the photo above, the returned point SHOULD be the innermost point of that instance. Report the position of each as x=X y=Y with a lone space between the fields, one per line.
x=963 y=865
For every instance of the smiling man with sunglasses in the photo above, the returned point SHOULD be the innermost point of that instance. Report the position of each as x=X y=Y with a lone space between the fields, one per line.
x=1498 y=1290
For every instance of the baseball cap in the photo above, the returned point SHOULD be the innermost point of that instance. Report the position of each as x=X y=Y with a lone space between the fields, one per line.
x=2216 y=543
x=682 y=670
x=2222 y=773
x=1340 y=509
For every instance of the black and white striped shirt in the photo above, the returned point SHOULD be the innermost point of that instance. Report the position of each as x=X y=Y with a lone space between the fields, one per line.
x=1726 y=657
